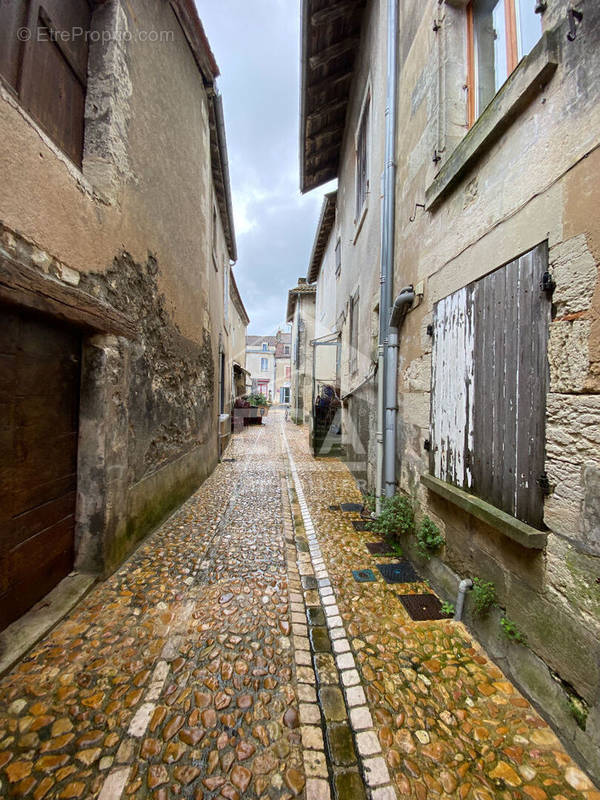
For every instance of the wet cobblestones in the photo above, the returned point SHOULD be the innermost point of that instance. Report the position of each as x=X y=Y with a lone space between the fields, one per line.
x=174 y=678
x=448 y=722
x=235 y=656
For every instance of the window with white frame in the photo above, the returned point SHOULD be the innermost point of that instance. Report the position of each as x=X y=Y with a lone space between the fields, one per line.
x=264 y=364
x=353 y=333
x=500 y=34
x=338 y=258
x=362 y=157
x=264 y=347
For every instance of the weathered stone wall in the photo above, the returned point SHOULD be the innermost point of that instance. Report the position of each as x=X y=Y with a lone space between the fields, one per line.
x=361 y=238
x=132 y=227
x=537 y=180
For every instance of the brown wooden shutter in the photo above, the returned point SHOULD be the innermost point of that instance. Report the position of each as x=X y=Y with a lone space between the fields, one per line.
x=49 y=71
x=489 y=383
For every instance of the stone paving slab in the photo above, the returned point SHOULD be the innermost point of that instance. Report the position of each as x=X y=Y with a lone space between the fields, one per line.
x=448 y=722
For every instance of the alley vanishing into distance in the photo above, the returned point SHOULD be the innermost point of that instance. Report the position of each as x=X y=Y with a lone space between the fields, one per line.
x=236 y=655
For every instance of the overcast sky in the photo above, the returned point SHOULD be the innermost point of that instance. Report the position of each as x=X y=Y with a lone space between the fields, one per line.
x=256 y=45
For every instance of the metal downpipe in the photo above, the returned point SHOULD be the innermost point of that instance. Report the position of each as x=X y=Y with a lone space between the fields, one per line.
x=399 y=310
x=387 y=239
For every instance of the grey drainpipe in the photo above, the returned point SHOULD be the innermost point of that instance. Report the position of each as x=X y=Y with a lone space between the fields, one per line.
x=387 y=236
x=401 y=305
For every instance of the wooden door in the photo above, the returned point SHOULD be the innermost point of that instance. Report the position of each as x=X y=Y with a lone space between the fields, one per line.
x=39 y=404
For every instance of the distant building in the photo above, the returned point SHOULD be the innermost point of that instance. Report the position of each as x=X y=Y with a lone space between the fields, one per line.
x=266 y=361
x=238 y=320
x=260 y=363
x=283 y=367
x=301 y=316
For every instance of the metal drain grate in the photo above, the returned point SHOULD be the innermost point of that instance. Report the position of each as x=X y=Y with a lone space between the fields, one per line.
x=228 y=460
x=400 y=572
x=334 y=508
x=360 y=525
x=422 y=606
x=363 y=575
x=378 y=548
x=351 y=507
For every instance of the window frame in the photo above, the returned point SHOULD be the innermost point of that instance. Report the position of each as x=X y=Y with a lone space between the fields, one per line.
x=353 y=318
x=363 y=128
x=512 y=55
x=338 y=257
x=264 y=364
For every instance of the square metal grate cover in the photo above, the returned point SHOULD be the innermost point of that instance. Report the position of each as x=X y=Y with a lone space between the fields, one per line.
x=363 y=575
x=422 y=606
x=351 y=506
x=361 y=525
x=378 y=548
x=400 y=572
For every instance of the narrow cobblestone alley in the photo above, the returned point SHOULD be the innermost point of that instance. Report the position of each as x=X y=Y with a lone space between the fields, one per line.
x=234 y=656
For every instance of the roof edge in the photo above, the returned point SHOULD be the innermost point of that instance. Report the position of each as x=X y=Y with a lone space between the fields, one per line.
x=237 y=298
x=187 y=14
x=323 y=232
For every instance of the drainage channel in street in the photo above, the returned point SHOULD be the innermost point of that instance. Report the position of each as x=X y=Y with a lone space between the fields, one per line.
x=353 y=758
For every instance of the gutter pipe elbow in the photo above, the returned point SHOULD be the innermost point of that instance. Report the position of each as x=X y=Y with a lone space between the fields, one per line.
x=463 y=586
x=401 y=306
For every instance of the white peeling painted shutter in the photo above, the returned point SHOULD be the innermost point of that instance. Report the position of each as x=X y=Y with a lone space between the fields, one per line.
x=452 y=397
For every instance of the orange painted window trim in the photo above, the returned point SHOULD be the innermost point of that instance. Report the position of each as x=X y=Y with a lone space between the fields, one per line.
x=512 y=53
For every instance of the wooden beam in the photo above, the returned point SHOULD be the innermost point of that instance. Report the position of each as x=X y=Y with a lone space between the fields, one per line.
x=330 y=83
x=323 y=155
x=327 y=15
x=325 y=110
x=324 y=133
x=25 y=286
x=333 y=51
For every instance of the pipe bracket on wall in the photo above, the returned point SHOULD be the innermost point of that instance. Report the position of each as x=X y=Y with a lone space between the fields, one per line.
x=414 y=216
x=574 y=18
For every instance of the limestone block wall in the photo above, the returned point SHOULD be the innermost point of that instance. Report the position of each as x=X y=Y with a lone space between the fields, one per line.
x=535 y=181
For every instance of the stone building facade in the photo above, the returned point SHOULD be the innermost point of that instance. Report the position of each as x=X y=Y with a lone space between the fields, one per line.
x=497 y=159
x=301 y=316
x=283 y=367
x=260 y=363
x=238 y=325
x=116 y=238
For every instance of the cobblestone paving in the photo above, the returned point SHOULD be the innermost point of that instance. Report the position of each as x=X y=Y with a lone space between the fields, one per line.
x=448 y=722
x=234 y=656
x=175 y=677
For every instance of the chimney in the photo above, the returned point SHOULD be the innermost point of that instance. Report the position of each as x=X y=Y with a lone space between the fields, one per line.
x=302 y=281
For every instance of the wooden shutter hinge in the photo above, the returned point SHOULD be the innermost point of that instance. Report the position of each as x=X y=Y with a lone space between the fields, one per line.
x=547 y=283
x=545 y=485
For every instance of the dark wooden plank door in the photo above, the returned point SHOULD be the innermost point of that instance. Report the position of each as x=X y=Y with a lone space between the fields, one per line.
x=39 y=405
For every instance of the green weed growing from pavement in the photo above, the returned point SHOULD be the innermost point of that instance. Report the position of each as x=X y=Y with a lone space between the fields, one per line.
x=369 y=502
x=579 y=710
x=395 y=549
x=447 y=609
x=511 y=631
x=429 y=538
x=396 y=517
x=484 y=596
